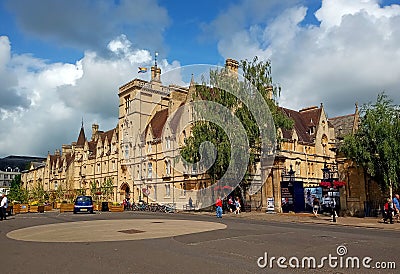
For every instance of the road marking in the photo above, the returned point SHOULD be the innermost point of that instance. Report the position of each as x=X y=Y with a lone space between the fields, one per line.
x=110 y=230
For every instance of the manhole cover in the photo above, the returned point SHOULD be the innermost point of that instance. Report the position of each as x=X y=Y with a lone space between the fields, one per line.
x=131 y=231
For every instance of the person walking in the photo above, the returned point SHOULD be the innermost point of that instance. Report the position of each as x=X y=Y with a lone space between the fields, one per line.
x=237 y=205
x=231 y=204
x=218 y=204
x=388 y=211
x=396 y=207
x=3 y=206
x=316 y=206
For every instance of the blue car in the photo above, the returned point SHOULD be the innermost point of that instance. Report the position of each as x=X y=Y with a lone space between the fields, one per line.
x=83 y=204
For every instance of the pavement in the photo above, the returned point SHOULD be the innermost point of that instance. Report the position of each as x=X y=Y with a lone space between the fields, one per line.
x=111 y=230
x=366 y=222
x=187 y=242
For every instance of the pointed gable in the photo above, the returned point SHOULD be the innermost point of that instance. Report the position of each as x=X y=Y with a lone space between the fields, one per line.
x=157 y=123
x=81 y=138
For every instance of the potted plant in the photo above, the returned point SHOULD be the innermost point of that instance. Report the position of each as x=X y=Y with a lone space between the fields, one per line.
x=116 y=207
x=66 y=207
x=33 y=206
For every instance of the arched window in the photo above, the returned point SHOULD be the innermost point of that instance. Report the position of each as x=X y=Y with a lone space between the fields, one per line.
x=168 y=167
x=167 y=190
x=149 y=170
x=324 y=142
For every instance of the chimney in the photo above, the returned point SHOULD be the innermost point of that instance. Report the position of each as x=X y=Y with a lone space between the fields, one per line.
x=66 y=149
x=95 y=129
x=232 y=66
x=155 y=74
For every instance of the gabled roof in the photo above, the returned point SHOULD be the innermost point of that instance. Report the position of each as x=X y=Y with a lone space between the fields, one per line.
x=311 y=116
x=157 y=123
x=343 y=125
x=304 y=121
x=301 y=126
x=108 y=134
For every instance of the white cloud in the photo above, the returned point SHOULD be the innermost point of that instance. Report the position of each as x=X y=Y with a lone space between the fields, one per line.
x=351 y=56
x=61 y=94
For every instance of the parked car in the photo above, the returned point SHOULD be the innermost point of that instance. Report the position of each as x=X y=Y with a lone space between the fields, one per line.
x=83 y=204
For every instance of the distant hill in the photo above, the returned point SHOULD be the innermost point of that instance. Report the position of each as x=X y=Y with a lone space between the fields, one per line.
x=22 y=162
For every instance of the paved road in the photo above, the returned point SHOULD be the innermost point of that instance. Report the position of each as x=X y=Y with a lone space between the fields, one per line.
x=188 y=244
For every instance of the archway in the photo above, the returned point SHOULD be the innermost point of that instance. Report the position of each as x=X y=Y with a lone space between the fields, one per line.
x=125 y=192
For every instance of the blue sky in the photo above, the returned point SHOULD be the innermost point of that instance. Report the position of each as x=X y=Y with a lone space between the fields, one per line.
x=55 y=56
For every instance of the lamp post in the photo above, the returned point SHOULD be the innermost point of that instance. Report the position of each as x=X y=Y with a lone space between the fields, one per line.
x=291 y=173
x=328 y=177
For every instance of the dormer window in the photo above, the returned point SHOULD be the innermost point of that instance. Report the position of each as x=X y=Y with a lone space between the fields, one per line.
x=312 y=130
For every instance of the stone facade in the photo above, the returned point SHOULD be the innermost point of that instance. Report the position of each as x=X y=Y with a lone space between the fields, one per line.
x=139 y=155
x=78 y=166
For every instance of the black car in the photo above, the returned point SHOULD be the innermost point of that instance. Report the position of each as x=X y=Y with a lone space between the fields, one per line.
x=83 y=204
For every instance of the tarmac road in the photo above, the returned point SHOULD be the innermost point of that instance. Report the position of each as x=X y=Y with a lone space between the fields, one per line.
x=140 y=242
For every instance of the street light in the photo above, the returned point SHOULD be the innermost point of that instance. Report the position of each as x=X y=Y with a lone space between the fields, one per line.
x=328 y=181
x=291 y=173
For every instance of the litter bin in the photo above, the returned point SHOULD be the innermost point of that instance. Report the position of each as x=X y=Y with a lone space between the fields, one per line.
x=104 y=206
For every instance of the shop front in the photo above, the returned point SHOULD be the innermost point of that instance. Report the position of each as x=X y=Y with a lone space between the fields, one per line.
x=292 y=195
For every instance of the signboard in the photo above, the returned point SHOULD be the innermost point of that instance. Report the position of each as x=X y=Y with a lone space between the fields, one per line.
x=146 y=192
x=310 y=193
x=270 y=205
x=287 y=198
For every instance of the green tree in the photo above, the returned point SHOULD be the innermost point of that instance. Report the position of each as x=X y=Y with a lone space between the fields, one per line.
x=375 y=145
x=15 y=189
x=257 y=73
x=107 y=188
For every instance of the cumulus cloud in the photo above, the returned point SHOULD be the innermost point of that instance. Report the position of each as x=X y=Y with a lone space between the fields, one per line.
x=61 y=94
x=10 y=97
x=350 y=56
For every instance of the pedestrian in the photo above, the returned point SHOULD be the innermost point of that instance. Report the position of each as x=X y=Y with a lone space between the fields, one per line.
x=315 y=206
x=3 y=206
x=388 y=211
x=237 y=205
x=326 y=200
x=218 y=204
x=231 y=204
x=333 y=209
x=190 y=203
x=396 y=207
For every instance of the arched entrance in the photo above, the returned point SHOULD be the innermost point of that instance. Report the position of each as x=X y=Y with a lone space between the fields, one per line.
x=124 y=192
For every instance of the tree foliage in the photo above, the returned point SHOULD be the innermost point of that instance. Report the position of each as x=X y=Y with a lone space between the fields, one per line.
x=257 y=73
x=15 y=189
x=375 y=145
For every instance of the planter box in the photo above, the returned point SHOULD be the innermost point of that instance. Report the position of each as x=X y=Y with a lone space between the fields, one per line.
x=48 y=208
x=116 y=208
x=23 y=208
x=33 y=209
x=16 y=208
x=66 y=208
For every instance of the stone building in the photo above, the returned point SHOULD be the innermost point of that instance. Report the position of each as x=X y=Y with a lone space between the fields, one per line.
x=140 y=155
x=149 y=116
x=80 y=167
x=301 y=155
